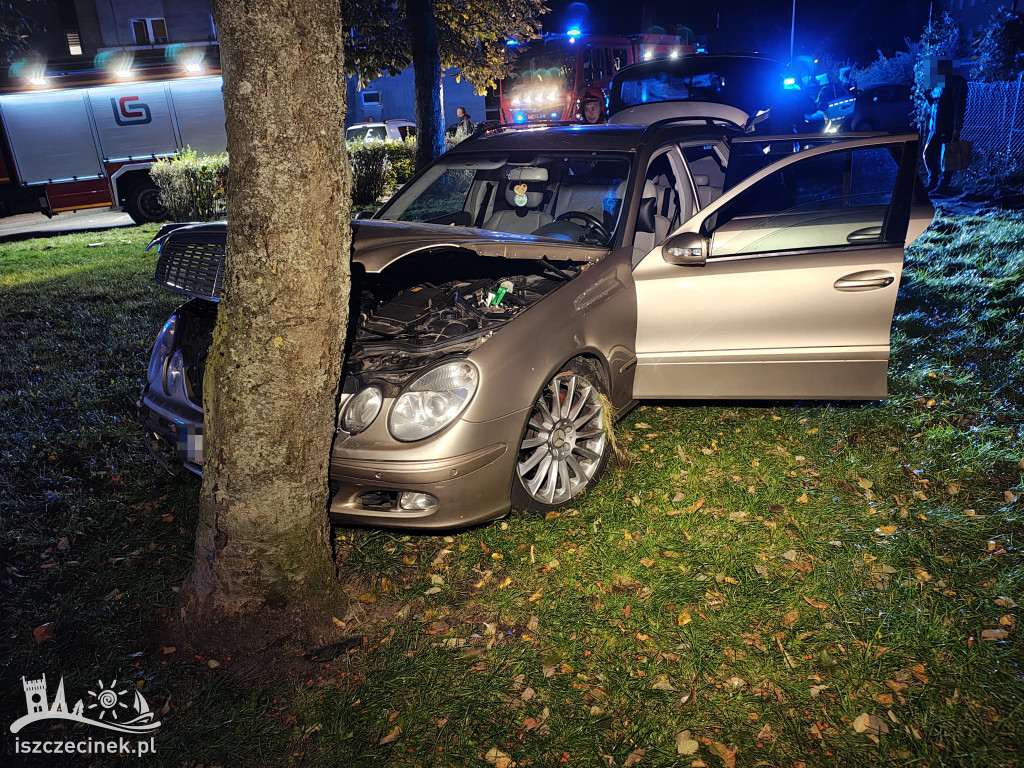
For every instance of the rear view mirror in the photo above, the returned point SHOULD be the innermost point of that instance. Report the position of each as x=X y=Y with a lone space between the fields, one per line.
x=687 y=249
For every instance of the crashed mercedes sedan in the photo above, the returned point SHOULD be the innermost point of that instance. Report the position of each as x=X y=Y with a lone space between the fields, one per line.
x=532 y=285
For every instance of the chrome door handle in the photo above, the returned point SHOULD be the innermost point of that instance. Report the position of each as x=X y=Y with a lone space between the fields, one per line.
x=870 y=280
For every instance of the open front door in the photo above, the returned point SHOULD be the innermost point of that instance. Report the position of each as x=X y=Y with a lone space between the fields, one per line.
x=802 y=262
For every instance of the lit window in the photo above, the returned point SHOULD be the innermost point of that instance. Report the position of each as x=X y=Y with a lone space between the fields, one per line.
x=74 y=43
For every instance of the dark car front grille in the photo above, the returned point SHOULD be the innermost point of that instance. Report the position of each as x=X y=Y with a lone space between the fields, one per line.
x=194 y=266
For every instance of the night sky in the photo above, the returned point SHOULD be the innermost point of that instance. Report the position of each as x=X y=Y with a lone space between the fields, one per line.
x=846 y=30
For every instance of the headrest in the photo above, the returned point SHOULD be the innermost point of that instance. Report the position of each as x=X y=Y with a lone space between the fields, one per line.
x=649 y=190
x=701 y=180
x=522 y=191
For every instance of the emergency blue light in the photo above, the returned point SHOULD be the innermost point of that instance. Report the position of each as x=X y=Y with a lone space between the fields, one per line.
x=519 y=117
x=789 y=81
x=574 y=32
x=511 y=43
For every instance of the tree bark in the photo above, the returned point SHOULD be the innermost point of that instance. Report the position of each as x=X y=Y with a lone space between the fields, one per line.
x=271 y=383
x=426 y=63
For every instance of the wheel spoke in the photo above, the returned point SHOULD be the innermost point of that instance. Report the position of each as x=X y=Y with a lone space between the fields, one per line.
x=532 y=442
x=545 y=413
x=556 y=408
x=534 y=459
x=588 y=435
x=581 y=420
x=574 y=465
x=542 y=471
x=541 y=428
x=587 y=453
x=563 y=476
x=569 y=395
x=550 y=485
x=584 y=397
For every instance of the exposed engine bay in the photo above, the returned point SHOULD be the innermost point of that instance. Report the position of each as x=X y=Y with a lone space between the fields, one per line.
x=436 y=304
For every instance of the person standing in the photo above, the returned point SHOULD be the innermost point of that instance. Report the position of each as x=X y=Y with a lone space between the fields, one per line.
x=947 y=102
x=464 y=127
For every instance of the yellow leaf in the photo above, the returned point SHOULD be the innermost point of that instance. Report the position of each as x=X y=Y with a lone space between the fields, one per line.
x=886 y=530
x=802 y=498
x=505 y=583
x=367 y=598
x=684 y=618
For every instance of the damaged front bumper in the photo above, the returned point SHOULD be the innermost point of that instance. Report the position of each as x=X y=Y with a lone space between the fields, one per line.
x=173 y=431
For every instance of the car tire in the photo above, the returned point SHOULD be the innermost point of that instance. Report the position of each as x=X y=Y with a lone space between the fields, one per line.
x=562 y=455
x=143 y=203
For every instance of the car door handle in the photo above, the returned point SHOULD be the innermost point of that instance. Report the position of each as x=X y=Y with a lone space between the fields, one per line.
x=866 y=235
x=869 y=280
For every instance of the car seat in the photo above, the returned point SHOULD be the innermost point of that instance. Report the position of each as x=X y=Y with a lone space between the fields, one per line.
x=524 y=194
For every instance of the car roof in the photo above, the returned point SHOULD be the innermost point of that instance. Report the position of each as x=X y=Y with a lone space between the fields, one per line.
x=593 y=138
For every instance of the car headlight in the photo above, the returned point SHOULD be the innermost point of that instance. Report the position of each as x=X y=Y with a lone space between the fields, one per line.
x=433 y=401
x=361 y=409
x=175 y=373
x=161 y=350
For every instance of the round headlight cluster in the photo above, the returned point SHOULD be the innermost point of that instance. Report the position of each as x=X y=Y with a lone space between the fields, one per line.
x=433 y=401
x=161 y=350
x=175 y=373
x=361 y=410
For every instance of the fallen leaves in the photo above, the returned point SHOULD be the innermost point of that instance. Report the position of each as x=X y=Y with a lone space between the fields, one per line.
x=791 y=618
x=728 y=755
x=43 y=632
x=499 y=759
x=391 y=736
x=870 y=725
x=634 y=757
x=685 y=745
x=815 y=603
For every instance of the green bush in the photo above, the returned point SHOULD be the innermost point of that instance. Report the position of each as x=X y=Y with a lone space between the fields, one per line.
x=192 y=186
x=378 y=167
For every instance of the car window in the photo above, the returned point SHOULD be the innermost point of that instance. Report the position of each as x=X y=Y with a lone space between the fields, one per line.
x=405 y=131
x=708 y=172
x=355 y=134
x=567 y=196
x=376 y=133
x=830 y=200
x=445 y=196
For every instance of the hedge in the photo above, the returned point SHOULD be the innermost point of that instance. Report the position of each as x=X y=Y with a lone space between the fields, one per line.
x=193 y=186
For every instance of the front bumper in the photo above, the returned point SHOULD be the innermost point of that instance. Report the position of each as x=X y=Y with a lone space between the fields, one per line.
x=468 y=469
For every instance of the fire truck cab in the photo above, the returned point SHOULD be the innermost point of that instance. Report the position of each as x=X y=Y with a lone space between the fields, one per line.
x=552 y=70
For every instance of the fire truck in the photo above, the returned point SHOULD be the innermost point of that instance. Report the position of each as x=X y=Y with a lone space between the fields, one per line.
x=552 y=70
x=87 y=139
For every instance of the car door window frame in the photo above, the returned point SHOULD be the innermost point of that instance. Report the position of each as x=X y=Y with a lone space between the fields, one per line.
x=897 y=218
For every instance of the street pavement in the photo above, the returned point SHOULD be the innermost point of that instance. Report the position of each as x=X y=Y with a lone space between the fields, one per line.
x=28 y=225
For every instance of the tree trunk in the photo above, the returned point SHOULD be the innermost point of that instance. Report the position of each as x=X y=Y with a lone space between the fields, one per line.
x=426 y=64
x=271 y=384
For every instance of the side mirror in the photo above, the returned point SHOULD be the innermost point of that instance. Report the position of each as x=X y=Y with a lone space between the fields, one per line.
x=687 y=249
x=364 y=214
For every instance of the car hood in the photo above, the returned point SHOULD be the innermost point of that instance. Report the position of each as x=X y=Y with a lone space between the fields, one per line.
x=192 y=255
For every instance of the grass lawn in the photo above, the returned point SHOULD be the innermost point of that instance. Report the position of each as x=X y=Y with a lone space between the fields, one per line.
x=777 y=585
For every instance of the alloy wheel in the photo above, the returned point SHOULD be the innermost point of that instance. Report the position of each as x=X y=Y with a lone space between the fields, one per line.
x=564 y=442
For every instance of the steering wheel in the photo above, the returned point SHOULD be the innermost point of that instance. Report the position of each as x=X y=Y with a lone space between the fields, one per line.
x=591 y=222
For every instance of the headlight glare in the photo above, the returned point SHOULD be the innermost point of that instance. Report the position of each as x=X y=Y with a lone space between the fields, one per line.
x=161 y=350
x=361 y=410
x=175 y=372
x=433 y=401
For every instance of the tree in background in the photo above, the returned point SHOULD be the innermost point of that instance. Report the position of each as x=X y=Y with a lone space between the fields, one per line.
x=1001 y=48
x=271 y=383
x=15 y=28
x=470 y=37
x=941 y=38
x=895 y=69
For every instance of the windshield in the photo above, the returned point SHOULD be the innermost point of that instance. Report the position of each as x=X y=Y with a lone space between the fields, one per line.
x=743 y=82
x=544 y=73
x=573 y=197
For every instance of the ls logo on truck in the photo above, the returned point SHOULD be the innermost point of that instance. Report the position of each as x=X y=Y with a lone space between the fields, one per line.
x=128 y=110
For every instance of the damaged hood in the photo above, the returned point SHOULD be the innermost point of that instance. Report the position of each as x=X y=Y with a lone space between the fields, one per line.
x=378 y=243
x=192 y=255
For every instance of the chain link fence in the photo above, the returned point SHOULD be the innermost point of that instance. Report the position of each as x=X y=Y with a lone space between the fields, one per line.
x=994 y=119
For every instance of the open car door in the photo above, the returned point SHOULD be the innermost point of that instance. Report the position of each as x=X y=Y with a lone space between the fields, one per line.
x=785 y=286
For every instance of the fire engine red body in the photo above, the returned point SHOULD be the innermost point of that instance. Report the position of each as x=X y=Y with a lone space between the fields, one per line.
x=552 y=71
x=87 y=140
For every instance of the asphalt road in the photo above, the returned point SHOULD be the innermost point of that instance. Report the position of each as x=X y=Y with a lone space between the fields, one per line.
x=28 y=225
